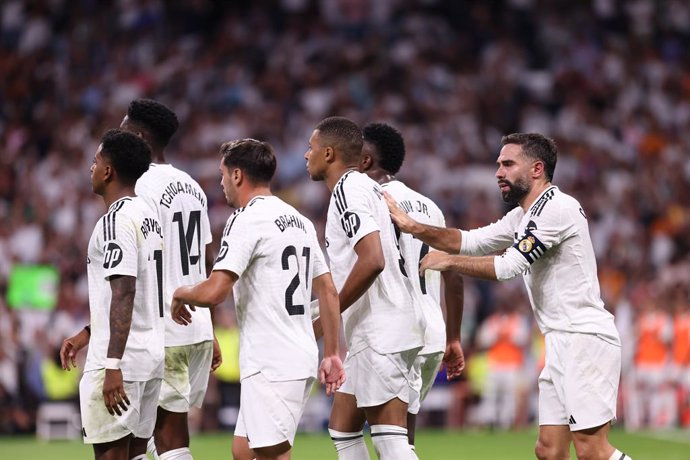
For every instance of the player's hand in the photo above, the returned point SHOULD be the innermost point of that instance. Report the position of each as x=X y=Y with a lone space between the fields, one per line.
x=217 y=359
x=454 y=359
x=114 y=395
x=399 y=217
x=435 y=260
x=331 y=373
x=318 y=328
x=179 y=312
x=70 y=347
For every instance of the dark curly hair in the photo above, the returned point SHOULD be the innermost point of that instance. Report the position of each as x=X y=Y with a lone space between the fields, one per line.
x=129 y=154
x=389 y=143
x=157 y=119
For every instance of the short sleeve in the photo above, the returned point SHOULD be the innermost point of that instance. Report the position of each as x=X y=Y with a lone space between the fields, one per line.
x=320 y=265
x=353 y=202
x=120 y=250
x=237 y=245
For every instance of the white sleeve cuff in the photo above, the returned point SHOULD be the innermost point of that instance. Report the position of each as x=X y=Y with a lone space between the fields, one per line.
x=510 y=264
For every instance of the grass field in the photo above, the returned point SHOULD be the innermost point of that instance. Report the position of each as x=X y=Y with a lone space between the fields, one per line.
x=431 y=445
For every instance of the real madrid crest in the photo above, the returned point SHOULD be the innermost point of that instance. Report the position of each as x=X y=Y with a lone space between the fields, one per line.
x=526 y=244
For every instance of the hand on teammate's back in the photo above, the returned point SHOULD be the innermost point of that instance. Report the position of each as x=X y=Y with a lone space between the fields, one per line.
x=399 y=217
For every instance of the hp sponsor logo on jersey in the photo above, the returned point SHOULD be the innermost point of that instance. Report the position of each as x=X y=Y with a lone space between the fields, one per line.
x=350 y=222
x=113 y=256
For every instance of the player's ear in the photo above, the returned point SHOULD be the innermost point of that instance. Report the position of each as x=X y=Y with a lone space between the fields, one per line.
x=237 y=176
x=108 y=173
x=365 y=163
x=538 y=169
x=329 y=154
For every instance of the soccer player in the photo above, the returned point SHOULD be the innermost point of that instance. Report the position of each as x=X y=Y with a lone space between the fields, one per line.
x=384 y=327
x=182 y=210
x=382 y=156
x=546 y=239
x=124 y=365
x=271 y=259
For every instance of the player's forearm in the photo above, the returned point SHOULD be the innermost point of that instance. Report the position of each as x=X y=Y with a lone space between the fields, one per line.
x=476 y=267
x=330 y=322
x=198 y=296
x=362 y=276
x=442 y=238
x=121 y=305
x=454 y=294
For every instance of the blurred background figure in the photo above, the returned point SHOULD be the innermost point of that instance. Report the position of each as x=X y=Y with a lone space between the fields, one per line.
x=653 y=400
x=505 y=336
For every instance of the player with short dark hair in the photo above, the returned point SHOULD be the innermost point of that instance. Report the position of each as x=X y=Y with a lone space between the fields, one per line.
x=384 y=326
x=124 y=365
x=271 y=260
x=546 y=239
x=182 y=208
x=383 y=155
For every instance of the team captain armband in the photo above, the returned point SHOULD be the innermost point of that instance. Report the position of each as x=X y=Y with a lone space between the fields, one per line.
x=530 y=247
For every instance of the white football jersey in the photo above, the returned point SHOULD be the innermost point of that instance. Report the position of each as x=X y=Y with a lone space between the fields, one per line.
x=127 y=241
x=274 y=251
x=552 y=246
x=183 y=213
x=427 y=288
x=386 y=317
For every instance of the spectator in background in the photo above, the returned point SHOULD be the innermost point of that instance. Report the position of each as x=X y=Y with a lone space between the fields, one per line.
x=505 y=335
x=653 y=402
x=228 y=373
x=680 y=306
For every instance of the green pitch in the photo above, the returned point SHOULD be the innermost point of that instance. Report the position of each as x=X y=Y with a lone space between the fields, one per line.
x=431 y=445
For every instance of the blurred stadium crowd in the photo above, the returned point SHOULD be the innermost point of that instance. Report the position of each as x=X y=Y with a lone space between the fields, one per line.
x=609 y=80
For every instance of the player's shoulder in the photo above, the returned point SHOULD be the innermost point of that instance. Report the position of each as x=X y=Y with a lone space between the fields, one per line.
x=353 y=180
x=554 y=203
x=161 y=175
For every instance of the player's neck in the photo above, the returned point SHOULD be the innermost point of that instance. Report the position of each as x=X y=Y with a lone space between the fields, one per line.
x=158 y=157
x=380 y=175
x=533 y=194
x=249 y=195
x=115 y=193
x=333 y=176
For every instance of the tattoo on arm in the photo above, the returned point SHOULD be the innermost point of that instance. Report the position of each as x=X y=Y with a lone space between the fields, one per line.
x=121 y=305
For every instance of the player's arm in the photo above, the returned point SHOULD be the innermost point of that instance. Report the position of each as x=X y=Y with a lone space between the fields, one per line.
x=331 y=371
x=123 y=289
x=453 y=292
x=370 y=263
x=441 y=238
x=207 y=293
x=217 y=359
x=477 y=267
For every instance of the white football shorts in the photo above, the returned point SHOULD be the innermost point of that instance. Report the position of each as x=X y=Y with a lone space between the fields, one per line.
x=98 y=426
x=422 y=378
x=578 y=386
x=375 y=379
x=270 y=411
x=185 y=377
